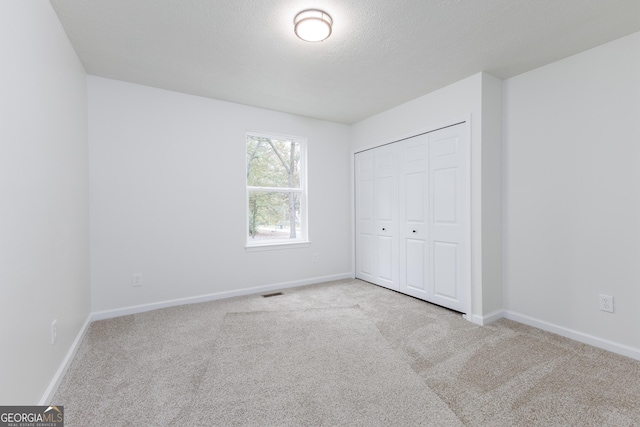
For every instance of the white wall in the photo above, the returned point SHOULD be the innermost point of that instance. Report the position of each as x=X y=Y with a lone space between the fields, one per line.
x=462 y=100
x=168 y=197
x=436 y=108
x=44 y=191
x=572 y=192
x=491 y=137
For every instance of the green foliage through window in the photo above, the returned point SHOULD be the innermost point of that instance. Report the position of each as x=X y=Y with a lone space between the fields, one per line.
x=274 y=189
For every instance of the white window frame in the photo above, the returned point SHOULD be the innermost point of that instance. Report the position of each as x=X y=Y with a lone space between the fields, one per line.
x=303 y=239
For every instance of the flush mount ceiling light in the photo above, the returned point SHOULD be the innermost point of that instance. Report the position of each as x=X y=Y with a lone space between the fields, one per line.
x=312 y=25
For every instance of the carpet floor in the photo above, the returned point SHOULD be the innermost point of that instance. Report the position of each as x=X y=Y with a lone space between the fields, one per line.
x=339 y=353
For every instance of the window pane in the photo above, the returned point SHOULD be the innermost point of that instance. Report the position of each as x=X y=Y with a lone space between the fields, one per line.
x=272 y=163
x=271 y=215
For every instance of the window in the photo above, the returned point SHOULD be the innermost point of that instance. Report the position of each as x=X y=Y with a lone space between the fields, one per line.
x=276 y=190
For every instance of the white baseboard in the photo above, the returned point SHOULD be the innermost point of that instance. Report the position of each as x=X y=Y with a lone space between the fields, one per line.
x=473 y=318
x=486 y=319
x=108 y=314
x=64 y=366
x=622 y=349
x=614 y=347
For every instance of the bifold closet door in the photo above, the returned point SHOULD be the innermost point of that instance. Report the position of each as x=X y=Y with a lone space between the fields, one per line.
x=364 y=213
x=412 y=216
x=413 y=197
x=449 y=202
x=377 y=216
x=386 y=215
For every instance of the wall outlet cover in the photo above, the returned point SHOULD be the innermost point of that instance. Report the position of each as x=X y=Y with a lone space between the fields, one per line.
x=606 y=303
x=137 y=279
x=54 y=331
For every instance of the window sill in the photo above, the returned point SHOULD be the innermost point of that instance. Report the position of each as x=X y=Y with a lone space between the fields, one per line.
x=276 y=246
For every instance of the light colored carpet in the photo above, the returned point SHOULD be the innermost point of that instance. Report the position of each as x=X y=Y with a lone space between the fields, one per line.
x=328 y=365
x=339 y=353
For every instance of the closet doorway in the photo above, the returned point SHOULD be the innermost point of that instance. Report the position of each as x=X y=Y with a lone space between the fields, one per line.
x=412 y=216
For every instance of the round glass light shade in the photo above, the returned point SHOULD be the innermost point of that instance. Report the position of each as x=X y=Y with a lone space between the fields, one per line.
x=312 y=25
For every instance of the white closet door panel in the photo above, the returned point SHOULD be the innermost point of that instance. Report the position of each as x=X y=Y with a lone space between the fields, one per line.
x=416 y=197
x=386 y=215
x=448 y=211
x=414 y=226
x=385 y=196
x=444 y=145
x=365 y=258
x=364 y=165
x=365 y=216
x=365 y=201
x=386 y=260
x=444 y=196
x=445 y=271
x=414 y=266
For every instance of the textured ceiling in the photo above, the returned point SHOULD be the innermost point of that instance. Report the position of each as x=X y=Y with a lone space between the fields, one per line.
x=381 y=53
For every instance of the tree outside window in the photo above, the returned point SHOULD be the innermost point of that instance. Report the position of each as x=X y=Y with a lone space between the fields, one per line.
x=275 y=189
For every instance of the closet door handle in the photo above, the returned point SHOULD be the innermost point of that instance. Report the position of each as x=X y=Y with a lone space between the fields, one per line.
x=414 y=231
x=383 y=228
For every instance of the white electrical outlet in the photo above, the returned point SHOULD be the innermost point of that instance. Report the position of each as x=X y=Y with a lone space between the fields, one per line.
x=606 y=303
x=315 y=257
x=137 y=279
x=54 y=331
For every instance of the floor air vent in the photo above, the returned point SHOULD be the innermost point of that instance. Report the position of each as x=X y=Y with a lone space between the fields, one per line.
x=275 y=294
